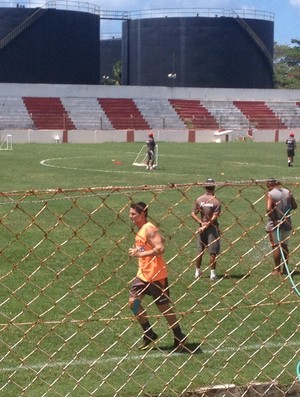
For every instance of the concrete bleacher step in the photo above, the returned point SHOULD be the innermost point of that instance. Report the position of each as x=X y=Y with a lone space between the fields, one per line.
x=194 y=114
x=13 y=114
x=86 y=113
x=260 y=116
x=227 y=115
x=159 y=113
x=288 y=112
x=48 y=113
x=123 y=113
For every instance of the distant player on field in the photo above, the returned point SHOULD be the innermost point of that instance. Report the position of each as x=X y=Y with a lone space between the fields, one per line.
x=151 y=151
x=206 y=211
x=291 y=148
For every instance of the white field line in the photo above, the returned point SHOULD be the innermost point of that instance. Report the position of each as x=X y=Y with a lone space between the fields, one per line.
x=46 y=163
x=139 y=357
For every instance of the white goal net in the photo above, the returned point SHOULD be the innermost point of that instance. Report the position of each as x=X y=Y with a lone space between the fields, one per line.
x=6 y=142
x=142 y=156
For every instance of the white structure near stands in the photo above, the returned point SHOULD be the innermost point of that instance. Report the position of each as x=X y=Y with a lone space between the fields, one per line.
x=226 y=134
x=6 y=142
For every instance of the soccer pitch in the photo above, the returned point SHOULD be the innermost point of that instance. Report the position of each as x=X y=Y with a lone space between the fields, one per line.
x=110 y=164
x=65 y=272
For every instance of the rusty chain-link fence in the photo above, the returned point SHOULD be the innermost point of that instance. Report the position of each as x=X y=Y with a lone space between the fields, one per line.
x=66 y=328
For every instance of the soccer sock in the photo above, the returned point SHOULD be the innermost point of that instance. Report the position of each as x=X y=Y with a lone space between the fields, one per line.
x=197 y=271
x=177 y=332
x=213 y=272
x=147 y=329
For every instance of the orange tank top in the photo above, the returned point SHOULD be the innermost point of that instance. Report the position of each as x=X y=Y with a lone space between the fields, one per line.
x=151 y=268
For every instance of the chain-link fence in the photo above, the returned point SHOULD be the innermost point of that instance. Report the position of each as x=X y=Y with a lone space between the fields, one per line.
x=65 y=273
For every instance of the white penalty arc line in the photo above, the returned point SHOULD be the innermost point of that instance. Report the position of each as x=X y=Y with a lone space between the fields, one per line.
x=45 y=163
x=128 y=357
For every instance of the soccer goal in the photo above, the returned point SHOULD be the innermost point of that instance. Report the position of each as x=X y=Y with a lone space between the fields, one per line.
x=142 y=156
x=6 y=142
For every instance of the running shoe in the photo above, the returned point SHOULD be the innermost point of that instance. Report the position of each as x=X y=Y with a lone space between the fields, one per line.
x=179 y=344
x=148 y=342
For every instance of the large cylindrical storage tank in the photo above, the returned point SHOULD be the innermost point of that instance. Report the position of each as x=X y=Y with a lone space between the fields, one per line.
x=227 y=52
x=50 y=46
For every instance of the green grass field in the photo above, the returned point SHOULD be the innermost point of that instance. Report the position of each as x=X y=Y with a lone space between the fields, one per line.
x=65 y=272
x=72 y=166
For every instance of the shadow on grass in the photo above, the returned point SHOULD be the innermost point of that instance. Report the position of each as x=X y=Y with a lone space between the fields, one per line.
x=189 y=348
x=293 y=273
x=234 y=276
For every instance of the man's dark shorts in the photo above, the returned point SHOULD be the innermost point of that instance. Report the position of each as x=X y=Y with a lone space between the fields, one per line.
x=209 y=239
x=291 y=152
x=159 y=290
x=150 y=155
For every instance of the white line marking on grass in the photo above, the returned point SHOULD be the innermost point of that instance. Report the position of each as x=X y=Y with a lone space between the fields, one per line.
x=138 y=357
x=46 y=164
x=253 y=164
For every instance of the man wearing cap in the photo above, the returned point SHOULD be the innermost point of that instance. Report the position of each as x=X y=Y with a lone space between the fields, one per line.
x=206 y=211
x=291 y=148
x=150 y=151
x=280 y=202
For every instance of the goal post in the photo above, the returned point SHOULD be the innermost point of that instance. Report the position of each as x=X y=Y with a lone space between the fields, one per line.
x=6 y=142
x=142 y=156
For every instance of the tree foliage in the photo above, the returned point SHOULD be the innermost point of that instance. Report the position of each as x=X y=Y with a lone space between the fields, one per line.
x=117 y=72
x=287 y=65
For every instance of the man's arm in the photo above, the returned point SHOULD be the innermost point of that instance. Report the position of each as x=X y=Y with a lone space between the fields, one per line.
x=155 y=240
x=270 y=210
x=196 y=217
x=293 y=202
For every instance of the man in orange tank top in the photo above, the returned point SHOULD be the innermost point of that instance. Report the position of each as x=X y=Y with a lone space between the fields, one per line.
x=151 y=279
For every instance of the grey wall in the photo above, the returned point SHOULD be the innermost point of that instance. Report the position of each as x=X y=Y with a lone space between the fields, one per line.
x=97 y=91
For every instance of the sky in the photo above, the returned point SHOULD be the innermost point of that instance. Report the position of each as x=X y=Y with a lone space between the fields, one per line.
x=287 y=12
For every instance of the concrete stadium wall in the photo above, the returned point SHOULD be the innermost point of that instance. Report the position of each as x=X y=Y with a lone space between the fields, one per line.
x=98 y=136
x=104 y=91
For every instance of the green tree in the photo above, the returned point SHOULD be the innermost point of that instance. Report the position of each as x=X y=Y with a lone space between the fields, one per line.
x=117 y=75
x=287 y=65
x=117 y=72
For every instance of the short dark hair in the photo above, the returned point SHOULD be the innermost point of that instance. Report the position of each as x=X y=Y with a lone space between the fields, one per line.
x=140 y=207
x=210 y=184
x=273 y=181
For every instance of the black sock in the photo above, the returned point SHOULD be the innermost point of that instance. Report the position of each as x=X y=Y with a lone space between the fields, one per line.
x=177 y=332
x=147 y=329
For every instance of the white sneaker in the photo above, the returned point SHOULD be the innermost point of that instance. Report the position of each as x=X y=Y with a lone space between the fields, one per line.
x=198 y=273
x=214 y=277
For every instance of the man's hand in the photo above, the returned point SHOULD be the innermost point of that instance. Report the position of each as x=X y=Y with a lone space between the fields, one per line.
x=134 y=251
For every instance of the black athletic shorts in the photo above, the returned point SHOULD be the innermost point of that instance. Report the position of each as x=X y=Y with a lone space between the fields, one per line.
x=159 y=290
